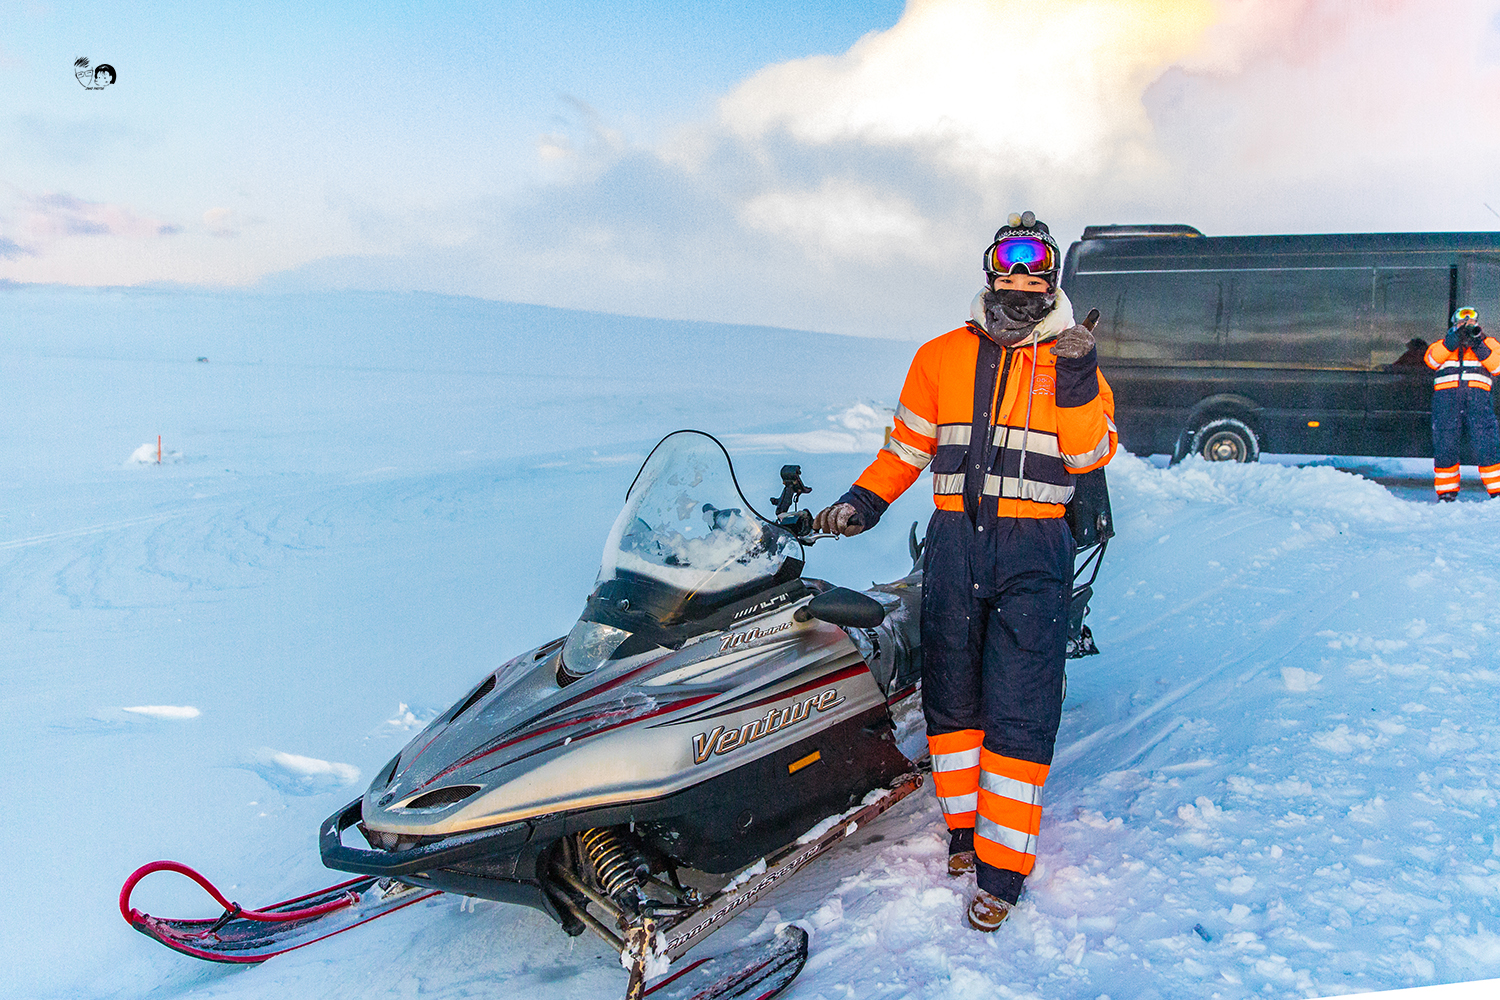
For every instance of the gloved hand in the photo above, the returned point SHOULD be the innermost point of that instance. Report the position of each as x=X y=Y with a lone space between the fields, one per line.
x=1454 y=338
x=1074 y=342
x=1476 y=343
x=840 y=519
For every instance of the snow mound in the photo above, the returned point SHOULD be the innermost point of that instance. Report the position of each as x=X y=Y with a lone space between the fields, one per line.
x=146 y=455
x=856 y=429
x=1279 y=488
x=297 y=775
x=165 y=711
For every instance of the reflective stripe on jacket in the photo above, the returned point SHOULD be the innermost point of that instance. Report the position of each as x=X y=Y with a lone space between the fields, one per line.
x=1055 y=420
x=1446 y=365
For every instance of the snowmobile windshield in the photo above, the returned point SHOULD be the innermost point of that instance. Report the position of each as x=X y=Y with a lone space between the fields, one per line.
x=686 y=545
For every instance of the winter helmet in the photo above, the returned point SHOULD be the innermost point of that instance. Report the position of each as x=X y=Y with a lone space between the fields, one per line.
x=1023 y=246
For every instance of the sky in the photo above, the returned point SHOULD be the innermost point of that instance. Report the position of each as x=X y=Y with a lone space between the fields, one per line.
x=813 y=165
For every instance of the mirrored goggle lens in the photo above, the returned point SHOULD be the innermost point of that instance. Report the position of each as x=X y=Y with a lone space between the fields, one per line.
x=1036 y=256
x=1465 y=314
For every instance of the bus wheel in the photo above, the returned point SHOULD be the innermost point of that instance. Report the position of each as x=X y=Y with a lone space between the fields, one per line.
x=1225 y=439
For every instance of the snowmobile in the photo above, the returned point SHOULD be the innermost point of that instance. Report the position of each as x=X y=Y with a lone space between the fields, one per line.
x=712 y=722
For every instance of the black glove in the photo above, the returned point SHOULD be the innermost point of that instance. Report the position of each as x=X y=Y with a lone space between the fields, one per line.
x=1454 y=338
x=1477 y=345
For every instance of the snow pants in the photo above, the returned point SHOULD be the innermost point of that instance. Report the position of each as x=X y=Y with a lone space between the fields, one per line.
x=994 y=640
x=1453 y=410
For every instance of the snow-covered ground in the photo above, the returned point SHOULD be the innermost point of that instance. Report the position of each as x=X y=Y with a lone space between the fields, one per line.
x=1278 y=779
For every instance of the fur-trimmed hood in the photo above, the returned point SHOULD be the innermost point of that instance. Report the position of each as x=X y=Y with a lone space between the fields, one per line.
x=1055 y=322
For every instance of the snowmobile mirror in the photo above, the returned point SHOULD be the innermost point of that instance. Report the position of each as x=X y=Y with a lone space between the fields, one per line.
x=843 y=607
x=792 y=487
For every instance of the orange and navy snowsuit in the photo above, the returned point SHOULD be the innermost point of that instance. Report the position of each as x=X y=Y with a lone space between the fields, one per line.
x=1005 y=430
x=1462 y=384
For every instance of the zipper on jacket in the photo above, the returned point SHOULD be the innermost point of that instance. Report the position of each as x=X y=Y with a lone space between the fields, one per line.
x=980 y=457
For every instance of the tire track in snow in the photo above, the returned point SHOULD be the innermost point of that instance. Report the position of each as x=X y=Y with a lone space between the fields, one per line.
x=95 y=529
x=1079 y=748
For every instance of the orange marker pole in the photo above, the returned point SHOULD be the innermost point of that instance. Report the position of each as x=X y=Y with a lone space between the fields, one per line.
x=158 y=449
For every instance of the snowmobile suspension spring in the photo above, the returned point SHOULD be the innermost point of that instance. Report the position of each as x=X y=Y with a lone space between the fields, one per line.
x=617 y=864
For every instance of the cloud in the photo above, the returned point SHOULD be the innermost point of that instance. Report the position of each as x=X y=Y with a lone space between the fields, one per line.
x=219 y=222
x=55 y=216
x=1386 y=119
x=10 y=249
x=989 y=90
x=842 y=218
x=855 y=191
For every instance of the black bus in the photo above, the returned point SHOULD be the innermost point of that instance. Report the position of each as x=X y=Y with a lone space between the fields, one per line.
x=1228 y=346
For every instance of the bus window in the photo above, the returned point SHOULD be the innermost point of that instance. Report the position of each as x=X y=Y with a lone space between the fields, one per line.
x=1313 y=317
x=1483 y=293
x=1411 y=303
x=1168 y=316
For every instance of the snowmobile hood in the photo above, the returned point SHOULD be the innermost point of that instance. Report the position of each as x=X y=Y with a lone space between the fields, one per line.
x=521 y=745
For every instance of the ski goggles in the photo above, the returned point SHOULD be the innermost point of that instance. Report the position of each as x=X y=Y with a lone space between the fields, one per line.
x=1467 y=314
x=1037 y=256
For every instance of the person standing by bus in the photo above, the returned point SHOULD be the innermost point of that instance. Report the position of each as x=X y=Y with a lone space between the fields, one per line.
x=1007 y=409
x=1465 y=363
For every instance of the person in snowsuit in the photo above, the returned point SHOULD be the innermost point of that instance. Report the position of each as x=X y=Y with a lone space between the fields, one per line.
x=1464 y=365
x=1006 y=409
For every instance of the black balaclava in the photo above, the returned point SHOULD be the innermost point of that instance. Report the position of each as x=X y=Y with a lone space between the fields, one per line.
x=1011 y=314
x=1017 y=306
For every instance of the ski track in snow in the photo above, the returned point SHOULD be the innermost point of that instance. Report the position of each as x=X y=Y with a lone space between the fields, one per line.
x=1277 y=779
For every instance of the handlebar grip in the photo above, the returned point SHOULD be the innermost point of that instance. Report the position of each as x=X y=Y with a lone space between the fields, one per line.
x=1090 y=320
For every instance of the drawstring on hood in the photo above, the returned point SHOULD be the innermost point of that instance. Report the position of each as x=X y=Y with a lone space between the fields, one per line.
x=1013 y=334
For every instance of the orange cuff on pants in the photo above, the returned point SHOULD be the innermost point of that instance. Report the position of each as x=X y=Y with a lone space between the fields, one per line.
x=955 y=775
x=1009 y=811
x=1445 y=480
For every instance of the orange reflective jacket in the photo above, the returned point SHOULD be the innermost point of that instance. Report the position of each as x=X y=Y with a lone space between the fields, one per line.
x=1050 y=423
x=1446 y=363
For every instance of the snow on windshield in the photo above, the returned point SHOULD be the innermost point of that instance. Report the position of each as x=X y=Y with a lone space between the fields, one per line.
x=684 y=524
x=737 y=552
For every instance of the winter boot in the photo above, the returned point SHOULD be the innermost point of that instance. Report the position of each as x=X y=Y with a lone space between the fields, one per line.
x=987 y=912
x=961 y=859
x=1448 y=497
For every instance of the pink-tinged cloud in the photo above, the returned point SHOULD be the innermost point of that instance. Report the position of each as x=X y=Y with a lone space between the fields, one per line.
x=56 y=216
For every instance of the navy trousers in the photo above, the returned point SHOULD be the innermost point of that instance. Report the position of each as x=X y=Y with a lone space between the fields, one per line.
x=994 y=641
x=1458 y=408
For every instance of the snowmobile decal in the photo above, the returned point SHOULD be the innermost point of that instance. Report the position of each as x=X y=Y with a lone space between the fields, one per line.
x=720 y=740
x=740 y=638
x=743 y=704
x=762 y=607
